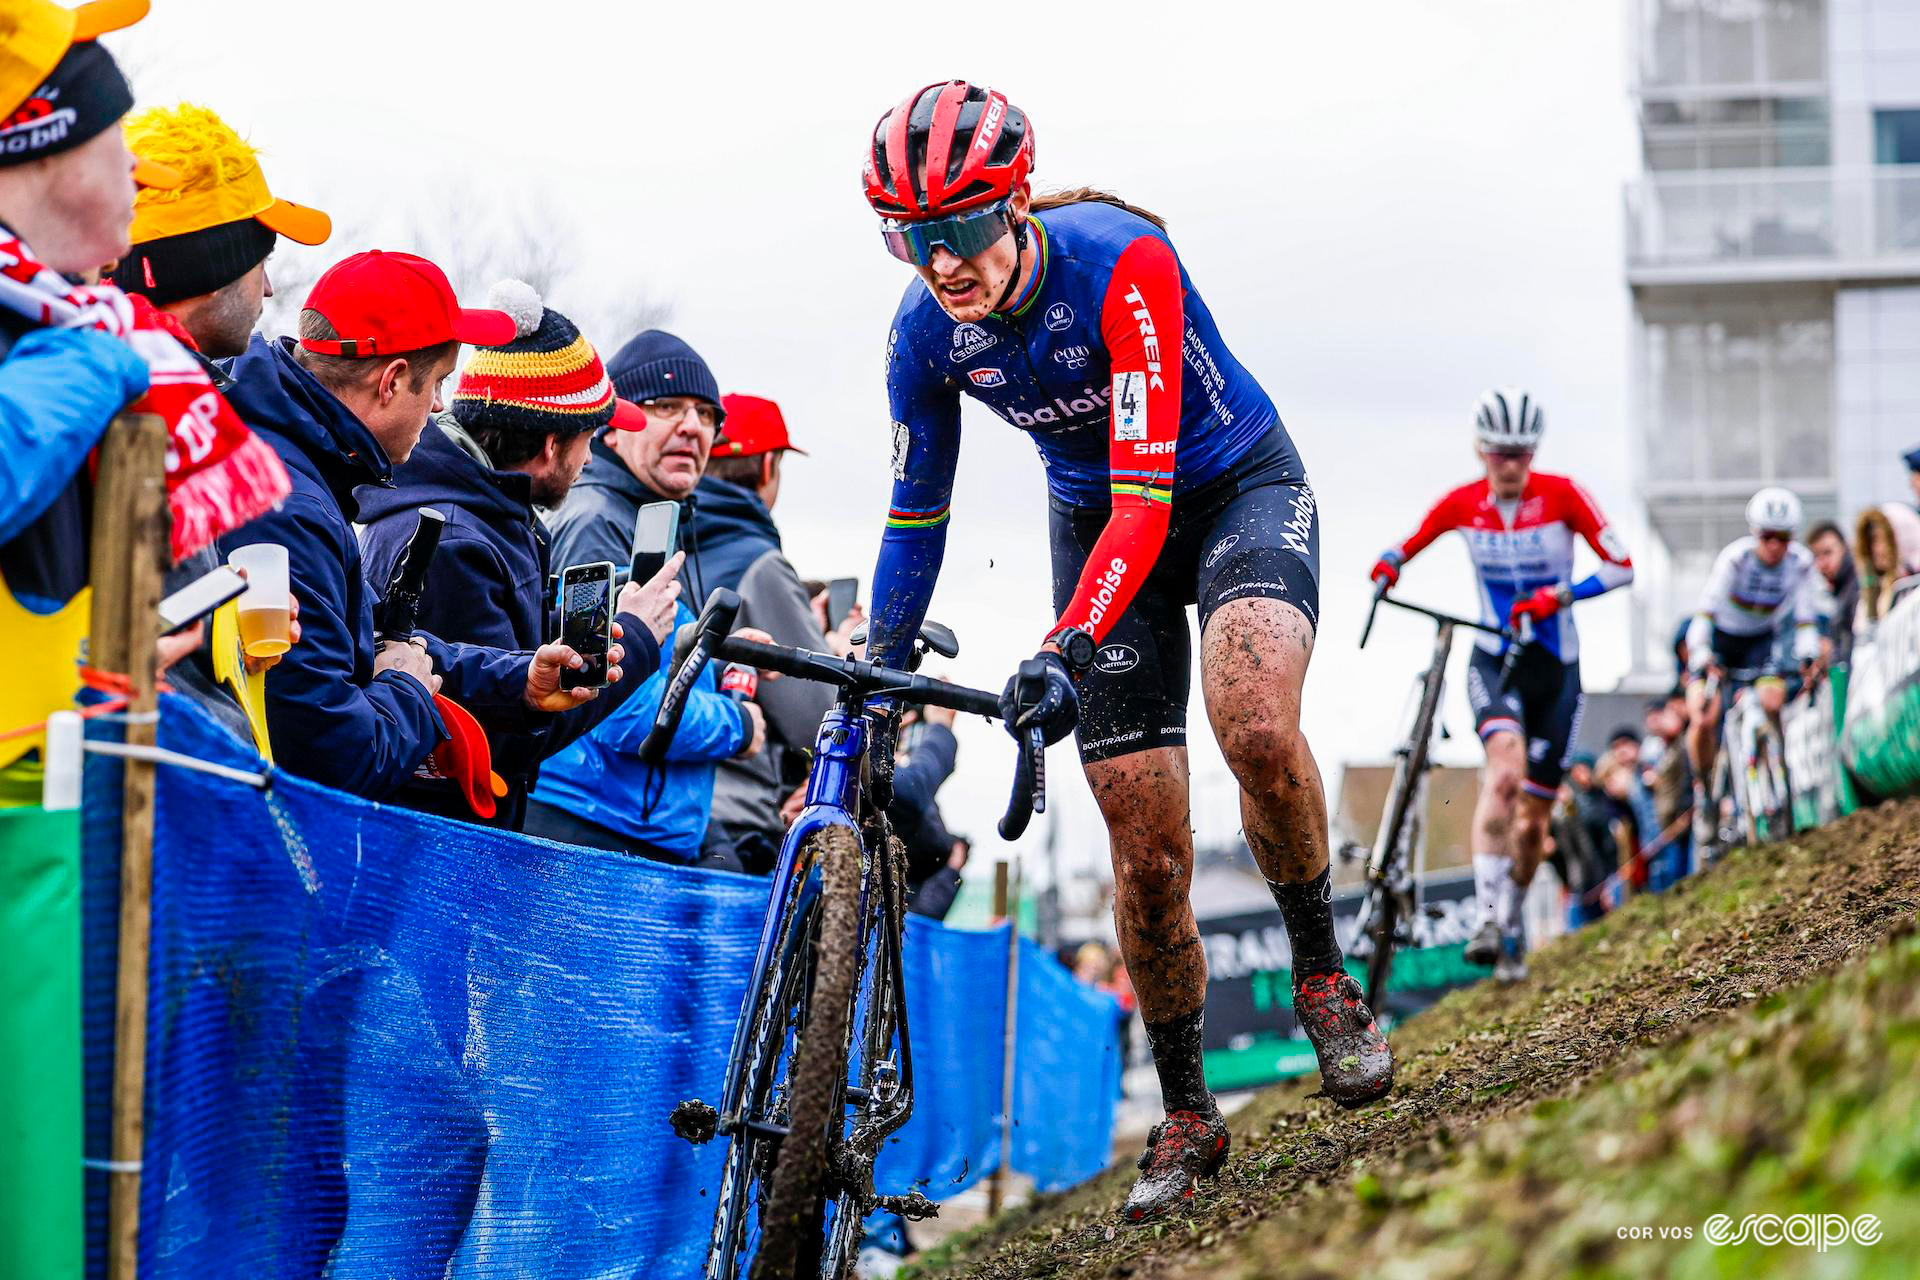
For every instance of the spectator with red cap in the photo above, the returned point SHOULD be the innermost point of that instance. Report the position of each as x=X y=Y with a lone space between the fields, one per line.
x=342 y=406
x=740 y=549
x=512 y=443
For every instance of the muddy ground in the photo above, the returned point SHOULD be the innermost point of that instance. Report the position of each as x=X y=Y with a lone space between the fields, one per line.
x=1748 y=1042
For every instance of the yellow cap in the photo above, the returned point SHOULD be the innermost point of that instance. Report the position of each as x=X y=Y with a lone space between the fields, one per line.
x=219 y=179
x=36 y=34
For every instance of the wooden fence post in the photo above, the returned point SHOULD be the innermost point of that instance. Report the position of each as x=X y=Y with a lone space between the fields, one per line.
x=131 y=538
x=1006 y=905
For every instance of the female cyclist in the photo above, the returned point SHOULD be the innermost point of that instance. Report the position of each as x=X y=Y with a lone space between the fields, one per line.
x=1172 y=482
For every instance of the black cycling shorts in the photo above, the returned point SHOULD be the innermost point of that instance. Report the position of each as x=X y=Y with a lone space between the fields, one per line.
x=1758 y=652
x=1542 y=703
x=1253 y=532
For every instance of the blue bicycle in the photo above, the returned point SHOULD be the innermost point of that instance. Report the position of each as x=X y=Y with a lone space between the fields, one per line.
x=821 y=1069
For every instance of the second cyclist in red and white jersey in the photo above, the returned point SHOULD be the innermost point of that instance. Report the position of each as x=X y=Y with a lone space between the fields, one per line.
x=1521 y=527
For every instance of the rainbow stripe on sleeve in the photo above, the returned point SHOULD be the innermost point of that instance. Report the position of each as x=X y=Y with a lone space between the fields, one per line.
x=1152 y=486
x=901 y=518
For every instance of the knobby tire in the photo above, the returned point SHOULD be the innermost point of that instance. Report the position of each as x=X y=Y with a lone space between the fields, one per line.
x=790 y=1224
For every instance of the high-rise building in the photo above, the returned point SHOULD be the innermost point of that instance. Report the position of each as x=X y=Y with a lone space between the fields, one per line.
x=1773 y=251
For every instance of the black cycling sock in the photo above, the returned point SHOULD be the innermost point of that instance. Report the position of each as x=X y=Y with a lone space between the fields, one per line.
x=1178 y=1059
x=1307 y=908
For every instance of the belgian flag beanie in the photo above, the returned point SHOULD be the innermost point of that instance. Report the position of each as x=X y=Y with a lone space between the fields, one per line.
x=547 y=381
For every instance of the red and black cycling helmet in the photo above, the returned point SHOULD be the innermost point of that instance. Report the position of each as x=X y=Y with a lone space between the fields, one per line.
x=948 y=148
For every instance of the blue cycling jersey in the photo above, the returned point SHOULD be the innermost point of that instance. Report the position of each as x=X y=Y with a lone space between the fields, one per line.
x=1085 y=362
x=1044 y=368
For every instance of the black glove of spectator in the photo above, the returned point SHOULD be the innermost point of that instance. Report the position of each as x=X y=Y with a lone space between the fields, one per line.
x=1055 y=711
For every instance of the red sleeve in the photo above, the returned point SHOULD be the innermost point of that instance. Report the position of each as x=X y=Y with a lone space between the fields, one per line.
x=1444 y=518
x=1583 y=516
x=1142 y=325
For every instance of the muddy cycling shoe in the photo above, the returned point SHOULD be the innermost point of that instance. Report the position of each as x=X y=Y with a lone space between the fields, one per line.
x=1185 y=1146
x=1356 y=1066
x=1512 y=965
x=1484 y=947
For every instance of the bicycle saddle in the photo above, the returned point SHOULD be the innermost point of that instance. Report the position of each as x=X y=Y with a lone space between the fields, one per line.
x=936 y=637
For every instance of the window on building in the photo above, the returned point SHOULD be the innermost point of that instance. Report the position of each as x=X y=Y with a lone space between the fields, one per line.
x=1896 y=137
x=1730 y=42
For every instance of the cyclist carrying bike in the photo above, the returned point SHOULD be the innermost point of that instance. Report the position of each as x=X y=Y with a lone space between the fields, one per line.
x=1520 y=526
x=1171 y=482
x=1761 y=587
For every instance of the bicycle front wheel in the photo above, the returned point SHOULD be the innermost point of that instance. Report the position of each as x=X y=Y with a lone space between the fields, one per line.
x=790 y=1225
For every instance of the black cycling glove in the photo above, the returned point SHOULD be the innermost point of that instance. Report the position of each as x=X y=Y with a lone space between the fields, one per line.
x=1054 y=711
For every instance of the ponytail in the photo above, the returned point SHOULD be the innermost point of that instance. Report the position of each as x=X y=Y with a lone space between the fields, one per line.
x=1084 y=195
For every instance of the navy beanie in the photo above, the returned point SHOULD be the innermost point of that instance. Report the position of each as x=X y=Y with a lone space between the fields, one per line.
x=656 y=364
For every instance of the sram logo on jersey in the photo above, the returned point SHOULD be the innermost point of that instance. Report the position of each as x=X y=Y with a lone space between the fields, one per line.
x=987 y=377
x=1062 y=409
x=1145 y=447
x=1148 y=337
x=1103 y=589
x=969 y=340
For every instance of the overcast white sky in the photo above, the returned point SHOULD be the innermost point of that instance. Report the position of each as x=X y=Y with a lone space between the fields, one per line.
x=1388 y=207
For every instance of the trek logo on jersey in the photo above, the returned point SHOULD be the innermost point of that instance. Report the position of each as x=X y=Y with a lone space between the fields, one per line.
x=1088 y=401
x=1074 y=357
x=1221 y=548
x=1104 y=587
x=1130 y=406
x=901 y=439
x=1116 y=658
x=1059 y=318
x=1148 y=337
x=987 y=377
x=969 y=340
x=1298 y=527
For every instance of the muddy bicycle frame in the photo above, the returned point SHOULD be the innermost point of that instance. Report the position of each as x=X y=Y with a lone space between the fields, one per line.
x=1389 y=889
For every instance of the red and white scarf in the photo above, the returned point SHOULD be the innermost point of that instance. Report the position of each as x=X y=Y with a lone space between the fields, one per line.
x=219 y=474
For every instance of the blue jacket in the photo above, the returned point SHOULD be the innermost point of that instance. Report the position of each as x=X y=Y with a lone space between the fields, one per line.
x=332 y=719
x=488 y=586
x=59 y=388
x=600 y=778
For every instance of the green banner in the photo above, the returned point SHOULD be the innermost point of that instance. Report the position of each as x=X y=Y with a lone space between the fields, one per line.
x=1880 y=743
x=41 y=1183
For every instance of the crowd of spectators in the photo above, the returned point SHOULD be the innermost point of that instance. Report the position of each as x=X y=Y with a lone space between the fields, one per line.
x=134 y=265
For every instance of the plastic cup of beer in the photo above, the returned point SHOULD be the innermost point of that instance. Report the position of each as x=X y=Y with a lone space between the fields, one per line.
x=266 y=606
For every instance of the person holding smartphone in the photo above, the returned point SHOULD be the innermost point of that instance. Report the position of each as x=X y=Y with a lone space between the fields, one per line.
x=740 y=549
x=597 y=792
x=510 y=445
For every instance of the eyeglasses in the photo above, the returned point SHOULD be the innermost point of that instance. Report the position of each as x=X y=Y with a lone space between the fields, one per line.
x=964 y=234
x=674 y=408
x=1773 y=535
x=1510 y=455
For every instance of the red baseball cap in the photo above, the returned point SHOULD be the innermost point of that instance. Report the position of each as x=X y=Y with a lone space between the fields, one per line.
x=382 y=304
x=752 y=425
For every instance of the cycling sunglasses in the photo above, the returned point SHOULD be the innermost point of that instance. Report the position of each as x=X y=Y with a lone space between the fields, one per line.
x=963 y=234
x=1773 y=535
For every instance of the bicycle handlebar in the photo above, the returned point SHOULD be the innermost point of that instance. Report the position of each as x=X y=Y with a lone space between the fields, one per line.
x=707 y=638
x=1381 y=597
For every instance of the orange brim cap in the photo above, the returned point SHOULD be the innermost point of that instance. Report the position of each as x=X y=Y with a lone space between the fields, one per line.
x=148 y=173
x=91 y=21
x=296 y=222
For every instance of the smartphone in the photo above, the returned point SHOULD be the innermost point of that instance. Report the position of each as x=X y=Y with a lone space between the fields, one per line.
x=656 y=536
x=842 y=593
x=199 y=598
x=586 y=622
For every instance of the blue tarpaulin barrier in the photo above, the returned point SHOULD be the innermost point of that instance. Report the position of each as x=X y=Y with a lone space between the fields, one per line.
x=383 y=1045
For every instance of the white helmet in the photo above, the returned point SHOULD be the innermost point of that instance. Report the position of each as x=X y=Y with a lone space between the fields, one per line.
x=1509 y=418
x=1774 y=509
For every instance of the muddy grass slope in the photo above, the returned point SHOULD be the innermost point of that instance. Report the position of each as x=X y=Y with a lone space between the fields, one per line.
x=1749 y=1043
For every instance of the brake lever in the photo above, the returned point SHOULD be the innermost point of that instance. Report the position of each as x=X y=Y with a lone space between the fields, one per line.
x=1379 y=594
x=1029 y=785
x=1518 y=638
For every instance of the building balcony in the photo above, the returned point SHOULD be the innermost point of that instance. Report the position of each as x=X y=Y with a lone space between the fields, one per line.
x=1763 y=225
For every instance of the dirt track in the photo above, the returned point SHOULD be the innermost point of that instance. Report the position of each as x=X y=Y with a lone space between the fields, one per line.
x=1308 y=1187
